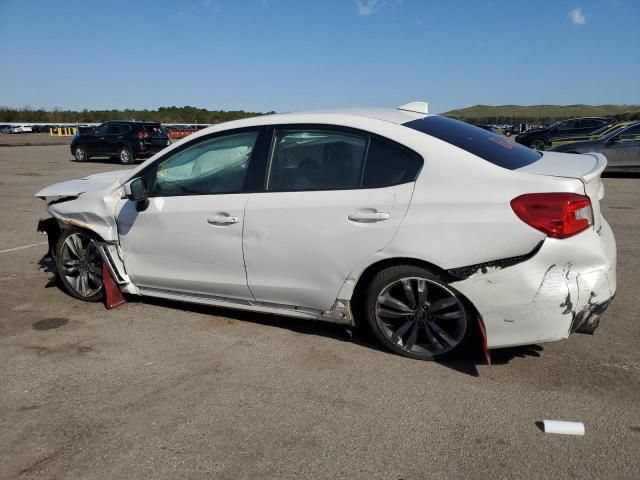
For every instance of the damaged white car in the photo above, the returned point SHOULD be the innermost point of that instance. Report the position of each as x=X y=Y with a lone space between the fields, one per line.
x=425 y=229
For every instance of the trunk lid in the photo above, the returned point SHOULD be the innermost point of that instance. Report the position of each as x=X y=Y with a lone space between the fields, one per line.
x=587 y=168
x=157 y=138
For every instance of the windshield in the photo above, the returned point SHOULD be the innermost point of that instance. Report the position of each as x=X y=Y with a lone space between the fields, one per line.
x=486 y=145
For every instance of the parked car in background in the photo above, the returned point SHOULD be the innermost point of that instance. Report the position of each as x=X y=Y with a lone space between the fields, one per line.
x=601 y=132
x=421 y=227
x=620 y=146
x=542 y=138
x=123 y=140
x=515 y=129
x=17 y=129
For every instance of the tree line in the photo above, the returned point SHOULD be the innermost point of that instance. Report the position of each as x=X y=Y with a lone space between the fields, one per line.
x=181 y=115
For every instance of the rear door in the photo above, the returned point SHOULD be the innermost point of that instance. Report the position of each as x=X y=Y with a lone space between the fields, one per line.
x=115 y=137
x=331 y=198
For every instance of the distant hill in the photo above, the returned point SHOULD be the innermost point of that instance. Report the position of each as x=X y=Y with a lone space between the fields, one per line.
x=541 y=113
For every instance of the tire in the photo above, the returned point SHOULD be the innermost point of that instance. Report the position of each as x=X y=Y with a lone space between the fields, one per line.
x=81 y=154
x=441 y=324
x=538 y=144
x=126 y=156
x=79 y=265
x=508 y=134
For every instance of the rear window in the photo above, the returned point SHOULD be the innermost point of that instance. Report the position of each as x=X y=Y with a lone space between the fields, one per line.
x=486 y=145
x=154 y=130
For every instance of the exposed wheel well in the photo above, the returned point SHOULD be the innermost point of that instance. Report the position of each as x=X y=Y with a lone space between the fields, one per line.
x=359 y=293
x=357 y=299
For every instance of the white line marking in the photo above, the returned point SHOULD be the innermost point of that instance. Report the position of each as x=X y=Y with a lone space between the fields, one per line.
x=15 y=249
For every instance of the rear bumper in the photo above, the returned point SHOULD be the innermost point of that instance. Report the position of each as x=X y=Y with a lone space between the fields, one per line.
x=146 y=152
x=565 y=287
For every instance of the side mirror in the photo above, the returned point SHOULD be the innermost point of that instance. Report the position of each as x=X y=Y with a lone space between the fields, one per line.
x=136 y=191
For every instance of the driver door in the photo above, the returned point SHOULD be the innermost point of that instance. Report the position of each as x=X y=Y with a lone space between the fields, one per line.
x=97 y=143
x=189 y=238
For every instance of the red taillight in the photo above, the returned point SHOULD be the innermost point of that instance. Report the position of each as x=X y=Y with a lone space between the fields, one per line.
x=559 y=215
x=143 y=134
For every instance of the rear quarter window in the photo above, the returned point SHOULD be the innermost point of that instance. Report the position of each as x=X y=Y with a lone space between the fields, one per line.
x=487 y=145
x=389 y=164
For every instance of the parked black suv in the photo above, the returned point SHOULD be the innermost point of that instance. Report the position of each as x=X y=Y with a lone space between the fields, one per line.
x=123 y=140
x=541 y=138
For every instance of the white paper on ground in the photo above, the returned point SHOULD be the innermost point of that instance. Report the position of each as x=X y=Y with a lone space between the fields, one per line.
x=564 y=428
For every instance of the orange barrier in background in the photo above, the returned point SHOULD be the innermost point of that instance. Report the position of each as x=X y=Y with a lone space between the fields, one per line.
x=176 y=133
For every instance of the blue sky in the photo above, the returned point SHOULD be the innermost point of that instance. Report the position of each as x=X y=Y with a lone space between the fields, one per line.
x=283 y=55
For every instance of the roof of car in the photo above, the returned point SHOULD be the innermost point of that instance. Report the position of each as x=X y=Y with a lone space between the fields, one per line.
x=393 y=115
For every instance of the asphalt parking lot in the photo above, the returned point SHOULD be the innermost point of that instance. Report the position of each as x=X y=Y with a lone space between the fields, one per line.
x=161 y=390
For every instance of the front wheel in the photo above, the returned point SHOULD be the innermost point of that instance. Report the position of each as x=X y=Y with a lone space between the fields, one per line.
x=125 y=155
x=416 y=314
x=81 y=154
x=79 y=264
x=538 y=144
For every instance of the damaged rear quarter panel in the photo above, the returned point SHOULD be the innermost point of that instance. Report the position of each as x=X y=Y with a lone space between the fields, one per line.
x=539 y=300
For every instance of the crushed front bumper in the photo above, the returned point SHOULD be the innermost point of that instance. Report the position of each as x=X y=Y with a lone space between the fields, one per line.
x=565 y=287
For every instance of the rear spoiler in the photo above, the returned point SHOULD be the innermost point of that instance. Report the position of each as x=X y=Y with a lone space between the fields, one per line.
x=596 y=171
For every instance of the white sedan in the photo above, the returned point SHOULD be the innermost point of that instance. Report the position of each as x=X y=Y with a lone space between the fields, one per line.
x=424 y=229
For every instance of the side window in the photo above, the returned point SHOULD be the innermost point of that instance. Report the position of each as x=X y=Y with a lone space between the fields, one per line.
x=117 y=129
x=315 y=160
x=568 y=125
x=590 y=123
x=390 y=164
x=101 y=129
x=217 y=165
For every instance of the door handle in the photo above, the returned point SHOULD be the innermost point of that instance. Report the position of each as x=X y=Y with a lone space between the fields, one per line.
x=222 y=220
x=369 y=216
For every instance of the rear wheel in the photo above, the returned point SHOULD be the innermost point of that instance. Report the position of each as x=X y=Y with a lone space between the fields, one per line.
x=417 y=314
x=538 y=144
x=79 y=265
x=81 y=153
x=125 y=155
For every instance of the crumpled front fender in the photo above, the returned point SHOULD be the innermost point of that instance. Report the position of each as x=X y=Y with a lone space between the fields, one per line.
x=94 y=211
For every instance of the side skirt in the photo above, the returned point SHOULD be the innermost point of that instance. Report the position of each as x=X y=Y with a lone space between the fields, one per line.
x=335 y=315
